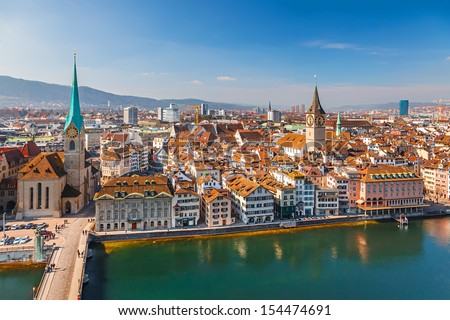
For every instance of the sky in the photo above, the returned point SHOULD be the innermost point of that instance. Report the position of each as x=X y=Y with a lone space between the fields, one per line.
x=249 y=52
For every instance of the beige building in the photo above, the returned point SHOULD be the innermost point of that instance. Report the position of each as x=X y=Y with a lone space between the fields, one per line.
x=216 y=209
x=134 y=203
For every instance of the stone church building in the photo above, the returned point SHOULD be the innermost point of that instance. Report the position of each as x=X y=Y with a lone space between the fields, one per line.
x=57 y=183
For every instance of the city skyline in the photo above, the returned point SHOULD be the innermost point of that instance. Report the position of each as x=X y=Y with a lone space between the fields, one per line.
x=248 y=53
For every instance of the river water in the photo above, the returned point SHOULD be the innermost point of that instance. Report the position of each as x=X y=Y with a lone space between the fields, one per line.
x=372 y=261
x=16 y=283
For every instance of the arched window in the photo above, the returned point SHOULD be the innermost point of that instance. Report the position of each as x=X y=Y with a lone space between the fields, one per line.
x=72 y=145
x=39 y=199
x=47 y=197
x=31 y=198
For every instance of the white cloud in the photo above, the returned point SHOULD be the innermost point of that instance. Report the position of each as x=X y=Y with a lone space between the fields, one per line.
x=332 y=45
x=196 y=82
x=226 y=78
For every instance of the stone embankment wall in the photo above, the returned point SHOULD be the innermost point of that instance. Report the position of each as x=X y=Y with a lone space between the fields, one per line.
x=176 y=233
x=21 y=254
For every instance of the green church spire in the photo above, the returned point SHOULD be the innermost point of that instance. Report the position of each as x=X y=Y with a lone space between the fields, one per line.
x=338 y=124
x=74 y=115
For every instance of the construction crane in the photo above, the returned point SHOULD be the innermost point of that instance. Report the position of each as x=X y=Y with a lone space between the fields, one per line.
x=441 y=103
x=196 y=113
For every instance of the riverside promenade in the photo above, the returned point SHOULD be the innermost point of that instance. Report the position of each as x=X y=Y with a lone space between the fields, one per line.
x=65 y=280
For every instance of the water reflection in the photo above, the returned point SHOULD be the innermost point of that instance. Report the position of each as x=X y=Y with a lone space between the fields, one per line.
x=439 y=229
x=240 y=245
x=278 y=250
x=361 y=244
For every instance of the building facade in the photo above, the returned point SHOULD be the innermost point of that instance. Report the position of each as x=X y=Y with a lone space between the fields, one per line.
x=216 y=208
x=130 y=115
x=403 y=107
x=251 y=202
x=390 y=190
x=134 y=203
x=186 y=208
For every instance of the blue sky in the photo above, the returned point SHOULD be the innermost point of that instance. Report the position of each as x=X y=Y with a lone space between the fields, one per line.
x=235 y=51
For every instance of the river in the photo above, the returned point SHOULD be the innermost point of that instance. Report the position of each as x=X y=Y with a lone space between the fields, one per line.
x=372 y=261
x=17 y=282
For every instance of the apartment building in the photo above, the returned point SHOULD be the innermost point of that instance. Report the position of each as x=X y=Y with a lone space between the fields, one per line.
x=251 y=202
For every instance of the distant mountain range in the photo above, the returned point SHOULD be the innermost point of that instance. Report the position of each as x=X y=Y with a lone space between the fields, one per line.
x=19 y=92
x=15 y=91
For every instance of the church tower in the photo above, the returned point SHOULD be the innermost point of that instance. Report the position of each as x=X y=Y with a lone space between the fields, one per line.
x=338 y=125
x=315 y=124
x=74 y=156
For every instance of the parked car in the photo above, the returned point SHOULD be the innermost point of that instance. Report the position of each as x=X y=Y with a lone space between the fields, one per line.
x=33 y=226
x=10 y=240
x=42 y=225
x=7 y=228
x=2 y=242
x=1 y=228
x=24 y=239
x=14 y=227
x=29 y=226
x=17 y=240
x=21 y=226
x=45 y=232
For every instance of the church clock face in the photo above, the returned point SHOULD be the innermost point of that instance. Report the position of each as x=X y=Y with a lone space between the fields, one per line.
x=310 y=120
x=320 y=120
x=72 y=132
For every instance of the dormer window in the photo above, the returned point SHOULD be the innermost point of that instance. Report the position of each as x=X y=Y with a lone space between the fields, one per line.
x=136 y=183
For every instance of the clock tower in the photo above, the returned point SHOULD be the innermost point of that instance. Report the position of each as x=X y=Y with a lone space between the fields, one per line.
x=315 y=124
x=74 y=157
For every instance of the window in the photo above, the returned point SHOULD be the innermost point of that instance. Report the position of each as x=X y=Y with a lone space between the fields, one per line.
x=31 y=198
x=39 y=195
x=47 y=197
x=72 y=145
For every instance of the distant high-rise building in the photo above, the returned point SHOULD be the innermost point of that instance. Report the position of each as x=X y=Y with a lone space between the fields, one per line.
x=204 y=109
x=403 y=107
x=170 y=114
x=293 y=109
x=130 y=115
x=297 y=109
x=303 y=108
x=274 y=116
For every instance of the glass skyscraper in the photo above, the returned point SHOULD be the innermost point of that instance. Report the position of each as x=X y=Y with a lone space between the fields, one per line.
x=404 y=106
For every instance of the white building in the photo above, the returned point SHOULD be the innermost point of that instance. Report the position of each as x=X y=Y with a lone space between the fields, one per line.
x=186 y=208
x=304 y=190
x=170 y=114
x=251 y=202
x=327 y=201
x=274 y=116
x=130 y=115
